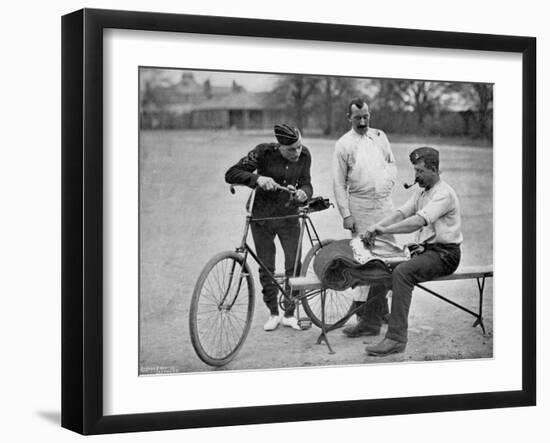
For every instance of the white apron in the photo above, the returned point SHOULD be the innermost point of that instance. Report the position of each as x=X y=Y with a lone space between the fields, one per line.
x=370 y=187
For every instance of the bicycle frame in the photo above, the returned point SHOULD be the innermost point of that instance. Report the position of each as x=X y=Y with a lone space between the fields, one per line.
x=219 y=350
x=306 y=226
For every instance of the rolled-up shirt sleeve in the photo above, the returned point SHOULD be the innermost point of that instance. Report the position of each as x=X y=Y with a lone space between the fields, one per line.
x=339 y=181
x=439 y=205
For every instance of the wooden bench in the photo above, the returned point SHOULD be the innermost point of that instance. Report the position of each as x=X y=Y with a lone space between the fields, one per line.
x=480 y=273
x=312 y=283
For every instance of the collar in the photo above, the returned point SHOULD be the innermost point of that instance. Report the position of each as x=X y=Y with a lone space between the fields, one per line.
x=302 y=154
x=359 y=136
x=436 y=184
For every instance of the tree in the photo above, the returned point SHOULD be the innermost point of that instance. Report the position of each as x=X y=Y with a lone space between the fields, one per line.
x=418 y=96
x=475 y=101
x=150 y=105
x=484 y=97
x=385 y=96
x=421 y=96
x=153 y=104
x=335 y=92
x=236 y=88
x=297 y=92
x=207 y=88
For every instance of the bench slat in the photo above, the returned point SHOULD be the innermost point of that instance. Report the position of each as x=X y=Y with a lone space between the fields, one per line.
x=311 y=281
x=468 y=272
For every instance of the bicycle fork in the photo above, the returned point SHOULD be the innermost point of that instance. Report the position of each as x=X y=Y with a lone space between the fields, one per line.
x=242 y=275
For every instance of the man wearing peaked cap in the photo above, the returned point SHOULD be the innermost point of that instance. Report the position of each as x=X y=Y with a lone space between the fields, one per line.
x=430 y=156
x=433 y=212
x=286 y=135
x=268 y=167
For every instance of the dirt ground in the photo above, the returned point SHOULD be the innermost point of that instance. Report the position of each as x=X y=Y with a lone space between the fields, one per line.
x=187 y=215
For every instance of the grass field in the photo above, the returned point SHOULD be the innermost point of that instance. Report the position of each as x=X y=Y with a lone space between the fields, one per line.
x=187 y=215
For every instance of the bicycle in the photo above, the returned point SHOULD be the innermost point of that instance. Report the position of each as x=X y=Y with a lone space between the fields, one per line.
x=222 y=305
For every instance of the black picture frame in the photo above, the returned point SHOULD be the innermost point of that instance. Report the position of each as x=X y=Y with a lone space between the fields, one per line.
x=82 y=218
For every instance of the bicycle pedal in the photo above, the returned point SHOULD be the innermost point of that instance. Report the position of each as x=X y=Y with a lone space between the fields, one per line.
x=304 y=323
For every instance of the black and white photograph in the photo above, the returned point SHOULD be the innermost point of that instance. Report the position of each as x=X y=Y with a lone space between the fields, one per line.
x=293 y=221
x=166 y=278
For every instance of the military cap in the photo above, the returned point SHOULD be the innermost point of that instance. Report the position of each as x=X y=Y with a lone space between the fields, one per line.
x=286 y=135
x=430 y=156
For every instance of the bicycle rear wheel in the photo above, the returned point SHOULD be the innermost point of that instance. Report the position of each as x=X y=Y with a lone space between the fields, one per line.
x=338 y=304
x=221 y=309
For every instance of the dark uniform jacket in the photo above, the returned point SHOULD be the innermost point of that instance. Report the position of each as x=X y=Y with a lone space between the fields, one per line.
x=266 y=160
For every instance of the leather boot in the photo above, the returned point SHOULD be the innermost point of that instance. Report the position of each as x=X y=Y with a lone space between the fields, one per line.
x=361 y=329
x=386 y=347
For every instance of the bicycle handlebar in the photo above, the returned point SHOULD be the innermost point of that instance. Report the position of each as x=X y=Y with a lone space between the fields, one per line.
x=313 y=204
x=289 y=189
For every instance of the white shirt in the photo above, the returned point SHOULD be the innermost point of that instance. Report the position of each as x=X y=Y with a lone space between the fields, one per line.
x=363 y=167
x=440 y=207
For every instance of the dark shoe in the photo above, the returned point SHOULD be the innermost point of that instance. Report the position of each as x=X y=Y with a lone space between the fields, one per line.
x=361 y=329
x=386 y=347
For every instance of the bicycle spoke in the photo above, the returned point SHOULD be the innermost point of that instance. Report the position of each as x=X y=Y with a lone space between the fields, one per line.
x=203 y=311
x=337 y=303
x=235 y=332
x=211 y=297
x=240 y=319
x=209 y=333
x=222 y=312
x=208 y=314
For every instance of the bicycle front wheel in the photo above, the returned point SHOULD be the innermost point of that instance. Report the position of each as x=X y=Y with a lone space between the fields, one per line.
x=338 y=304
x=221 y=309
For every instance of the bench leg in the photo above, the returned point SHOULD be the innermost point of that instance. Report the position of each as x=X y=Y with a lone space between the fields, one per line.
x=479 y=319
x=323 y=336
x=478 y=315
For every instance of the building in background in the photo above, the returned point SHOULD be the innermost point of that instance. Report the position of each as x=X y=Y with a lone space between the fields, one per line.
x=172 y=99
x=241 y=110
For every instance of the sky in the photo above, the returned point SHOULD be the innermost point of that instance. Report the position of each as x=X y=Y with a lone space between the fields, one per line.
x=250 y=81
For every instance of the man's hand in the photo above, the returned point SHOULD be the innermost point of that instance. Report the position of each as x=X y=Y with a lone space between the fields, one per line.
x=349 y=223
x=300 y=195
x=376 y=229
x=266 y=183
x=368 y=238
x=372 y=231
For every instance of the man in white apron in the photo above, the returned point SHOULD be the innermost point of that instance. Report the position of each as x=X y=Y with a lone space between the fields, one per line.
x=364 y=175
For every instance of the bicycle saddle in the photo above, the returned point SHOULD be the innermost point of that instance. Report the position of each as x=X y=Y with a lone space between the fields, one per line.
x=318 y=204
